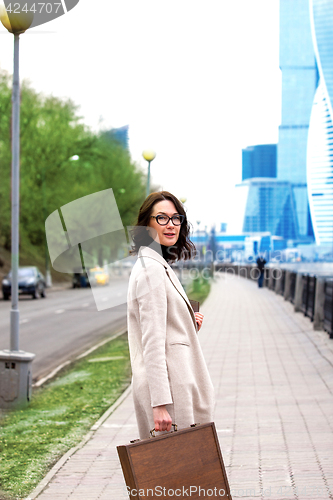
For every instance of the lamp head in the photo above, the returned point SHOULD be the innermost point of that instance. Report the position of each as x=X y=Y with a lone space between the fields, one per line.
x=15 y=22
x=148 y=154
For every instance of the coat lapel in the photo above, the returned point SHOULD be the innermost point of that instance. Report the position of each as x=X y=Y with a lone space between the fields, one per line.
x=149 y=252
x=174 y=280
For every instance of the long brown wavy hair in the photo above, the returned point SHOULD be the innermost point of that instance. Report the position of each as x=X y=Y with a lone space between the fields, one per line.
x=184 y=247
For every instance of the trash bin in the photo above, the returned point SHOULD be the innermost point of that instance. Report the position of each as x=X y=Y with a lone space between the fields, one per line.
x=15 y=378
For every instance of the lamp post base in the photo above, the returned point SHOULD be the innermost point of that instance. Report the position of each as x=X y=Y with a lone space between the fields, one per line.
x=48 y=279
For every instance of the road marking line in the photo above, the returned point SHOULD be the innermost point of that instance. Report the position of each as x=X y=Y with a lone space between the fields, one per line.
x=86 y=304
x=59 y=311
x=24 y=321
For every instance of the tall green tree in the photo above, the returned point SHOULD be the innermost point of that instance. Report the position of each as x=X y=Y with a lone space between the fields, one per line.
x=61 y=161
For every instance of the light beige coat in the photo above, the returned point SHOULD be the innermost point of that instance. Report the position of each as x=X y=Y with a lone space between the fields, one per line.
x=167 y=362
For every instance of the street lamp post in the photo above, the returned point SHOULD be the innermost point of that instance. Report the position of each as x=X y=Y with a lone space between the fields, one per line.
x=14 y=313
x=48 y=277
x=198 y=224
x=181 y=264
x=15 y=365
x=148 y=155
x=198 y=236
x=206 y=244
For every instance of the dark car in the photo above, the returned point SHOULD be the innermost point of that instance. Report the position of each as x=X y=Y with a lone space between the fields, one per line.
x=80 y=279
x=31 y=282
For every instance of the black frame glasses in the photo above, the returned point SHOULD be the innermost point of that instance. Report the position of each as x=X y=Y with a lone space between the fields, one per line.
x=173 y=219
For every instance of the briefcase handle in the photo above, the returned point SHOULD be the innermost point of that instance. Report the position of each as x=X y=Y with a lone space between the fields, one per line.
x=152 y=432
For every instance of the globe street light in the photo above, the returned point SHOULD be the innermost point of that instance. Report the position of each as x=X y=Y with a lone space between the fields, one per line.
x=148 y=155
x=15 y=364
x=16 y=22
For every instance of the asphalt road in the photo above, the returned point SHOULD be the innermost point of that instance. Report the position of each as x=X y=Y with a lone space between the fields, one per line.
x=64 y=324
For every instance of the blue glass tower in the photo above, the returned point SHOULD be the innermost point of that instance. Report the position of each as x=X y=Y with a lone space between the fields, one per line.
x=120 y=135
x=320 y=141
x=259 y=161
x=299 y=83
x=269 y=207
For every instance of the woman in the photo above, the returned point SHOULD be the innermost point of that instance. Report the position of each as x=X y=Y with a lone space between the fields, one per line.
x=171 y=383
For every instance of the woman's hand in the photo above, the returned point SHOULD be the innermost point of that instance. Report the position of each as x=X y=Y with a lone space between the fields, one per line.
x=199 y=319
x=162 y=419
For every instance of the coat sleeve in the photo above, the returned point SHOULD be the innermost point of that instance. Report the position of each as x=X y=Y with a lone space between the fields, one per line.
x=152 y=300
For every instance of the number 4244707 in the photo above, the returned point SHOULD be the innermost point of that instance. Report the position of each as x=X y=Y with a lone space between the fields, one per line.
x=35 y=7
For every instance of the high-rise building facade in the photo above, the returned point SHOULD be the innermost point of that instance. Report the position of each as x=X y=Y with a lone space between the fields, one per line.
x=120 y=135
x=299 y=83
x=320 y=140
x=259 y=161
x=269 y=207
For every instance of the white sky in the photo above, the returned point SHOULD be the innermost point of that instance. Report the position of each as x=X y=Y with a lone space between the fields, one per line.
x=195 y=81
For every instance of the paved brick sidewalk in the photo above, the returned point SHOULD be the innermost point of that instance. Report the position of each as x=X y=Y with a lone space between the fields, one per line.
x=273 y=377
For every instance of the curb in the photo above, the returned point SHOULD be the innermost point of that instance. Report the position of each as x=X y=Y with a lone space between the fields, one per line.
x=44 y=482
x=42 y=380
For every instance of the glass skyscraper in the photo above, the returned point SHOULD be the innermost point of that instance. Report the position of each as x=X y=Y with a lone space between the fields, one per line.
x=299 y=83
x=259 y=161
x=120 y=135
x=320 y=140
x=269 y=207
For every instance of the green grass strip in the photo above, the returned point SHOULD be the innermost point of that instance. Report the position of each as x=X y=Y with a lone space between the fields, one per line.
x=198 y=289
x=32 y=439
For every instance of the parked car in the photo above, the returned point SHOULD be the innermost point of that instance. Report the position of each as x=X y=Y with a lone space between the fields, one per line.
x=80 y=279
x=30 y=280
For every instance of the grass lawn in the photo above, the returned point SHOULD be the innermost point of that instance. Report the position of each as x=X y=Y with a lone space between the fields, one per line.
x=61 y=412
x=198 y=289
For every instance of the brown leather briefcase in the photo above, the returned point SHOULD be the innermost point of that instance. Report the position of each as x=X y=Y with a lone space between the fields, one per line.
x=185 y=464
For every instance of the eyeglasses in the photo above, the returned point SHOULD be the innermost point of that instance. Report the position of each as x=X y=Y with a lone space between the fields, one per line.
x=163 y=220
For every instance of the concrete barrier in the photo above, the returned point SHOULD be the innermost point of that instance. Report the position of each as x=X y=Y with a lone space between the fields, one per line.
x=299 y=292
x=286 y=293
x=318 y=320
x=279 y=284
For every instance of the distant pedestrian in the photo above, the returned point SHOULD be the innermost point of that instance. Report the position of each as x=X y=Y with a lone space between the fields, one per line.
x=261 y=266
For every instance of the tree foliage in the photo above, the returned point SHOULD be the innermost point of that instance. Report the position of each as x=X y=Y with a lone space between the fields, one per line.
x=52 y=134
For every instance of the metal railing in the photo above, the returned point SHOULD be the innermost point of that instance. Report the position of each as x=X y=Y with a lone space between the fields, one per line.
x=308 y=295
x=292 y=288
x=302 y=290
x=328 y=307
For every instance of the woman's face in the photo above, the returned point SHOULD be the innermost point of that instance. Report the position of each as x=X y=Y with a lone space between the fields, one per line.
x=166 y=235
